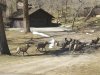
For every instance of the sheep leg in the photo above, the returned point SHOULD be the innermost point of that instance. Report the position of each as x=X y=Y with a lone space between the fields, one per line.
x=17 y=52
x=26 y=53
x=37 y=49
x=45 y=49
x=42 y=49
x=73 y=50
x=70 y=48
x=81 y=51
x=23 y=53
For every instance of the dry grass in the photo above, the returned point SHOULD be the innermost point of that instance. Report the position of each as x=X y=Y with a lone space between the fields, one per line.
x=16 y=39
x=86 y=64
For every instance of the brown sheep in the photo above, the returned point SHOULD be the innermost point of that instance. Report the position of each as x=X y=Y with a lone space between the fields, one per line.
x=23 y=49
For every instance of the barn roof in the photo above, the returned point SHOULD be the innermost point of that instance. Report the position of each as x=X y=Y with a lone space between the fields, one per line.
x=19 y=13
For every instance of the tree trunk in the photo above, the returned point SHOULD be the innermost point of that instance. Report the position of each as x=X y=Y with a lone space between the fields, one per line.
x=4 y=49
x=66 y=11
x=75 y=16
x=73 y=23
x=89 y=14
x=26 y=16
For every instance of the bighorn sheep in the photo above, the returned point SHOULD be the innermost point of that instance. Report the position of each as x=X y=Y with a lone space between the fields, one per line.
x=42 y=45
x=23 y=49
x=79 y=46
x=71 y=45
x=62 y=44
x=94 y=42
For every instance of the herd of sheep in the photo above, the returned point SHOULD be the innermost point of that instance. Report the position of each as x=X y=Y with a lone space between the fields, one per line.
x=71 y=45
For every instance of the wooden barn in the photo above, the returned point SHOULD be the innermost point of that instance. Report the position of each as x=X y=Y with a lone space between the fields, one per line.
x=37 y=18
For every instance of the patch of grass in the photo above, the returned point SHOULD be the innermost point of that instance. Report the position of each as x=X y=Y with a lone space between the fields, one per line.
x=16 y=38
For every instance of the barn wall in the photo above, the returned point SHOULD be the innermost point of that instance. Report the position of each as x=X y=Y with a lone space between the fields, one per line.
x=40 y=19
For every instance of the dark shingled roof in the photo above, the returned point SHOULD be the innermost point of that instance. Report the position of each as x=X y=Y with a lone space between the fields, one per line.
x=19 y=13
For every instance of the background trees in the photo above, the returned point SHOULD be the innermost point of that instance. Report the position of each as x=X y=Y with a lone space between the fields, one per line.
x=53 y=6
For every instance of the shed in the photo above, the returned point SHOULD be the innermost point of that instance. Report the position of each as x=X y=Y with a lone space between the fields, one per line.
x=37 y=18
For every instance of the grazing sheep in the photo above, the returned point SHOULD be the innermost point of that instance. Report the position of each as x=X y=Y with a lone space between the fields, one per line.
x=23 y=49
x=62 y=44
x=42 y=45
x=58 y=43
x=79 y=46
x=67 y=43
x=70 y=40
x=94 y=42
x=71 y=45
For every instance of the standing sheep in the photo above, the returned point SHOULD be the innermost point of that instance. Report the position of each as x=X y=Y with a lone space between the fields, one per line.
x=42 y=45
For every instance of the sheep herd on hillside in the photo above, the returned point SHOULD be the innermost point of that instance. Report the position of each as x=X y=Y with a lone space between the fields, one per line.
x=71 y=45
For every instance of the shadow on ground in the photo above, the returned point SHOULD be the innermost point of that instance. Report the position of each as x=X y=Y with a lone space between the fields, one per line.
x=59 y=52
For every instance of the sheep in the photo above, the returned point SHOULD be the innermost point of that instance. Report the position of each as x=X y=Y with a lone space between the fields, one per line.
x=62 y=44
x=71 y=45
x=94 y=42
x=42 y=45
x=79 y=46
x=23 y=49
x=70 y=40
x=56 y=43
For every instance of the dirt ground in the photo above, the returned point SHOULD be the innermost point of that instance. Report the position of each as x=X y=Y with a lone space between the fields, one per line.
x=61 y=63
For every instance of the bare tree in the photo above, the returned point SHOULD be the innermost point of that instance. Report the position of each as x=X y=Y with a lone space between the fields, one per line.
x=91 y=10
x=58 y=12
x=4 y=49
x=51 y=6
x=88 y=15
x=26 y=16
x=76 y=14
x=66 y=11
